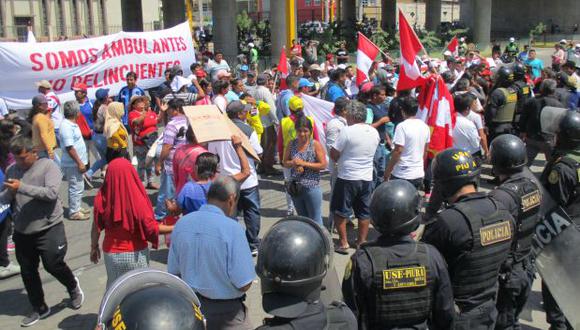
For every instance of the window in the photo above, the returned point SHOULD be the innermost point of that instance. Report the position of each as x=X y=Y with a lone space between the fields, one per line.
x=60 y=21
x=317 y=2
x=307 y=3
x=44 y=14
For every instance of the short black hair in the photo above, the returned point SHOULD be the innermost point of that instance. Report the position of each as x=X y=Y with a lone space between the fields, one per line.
x=335 y=74
x=303 y=122
x=375 y=90
x=463 y=102
x=340 y=105
x=291 y=79
x=131 y=74
x=409 y=105
x=206 y=165
x=220 y=85
x=176 y=104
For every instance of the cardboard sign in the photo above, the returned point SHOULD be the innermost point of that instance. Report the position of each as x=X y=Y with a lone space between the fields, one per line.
x=209 y=124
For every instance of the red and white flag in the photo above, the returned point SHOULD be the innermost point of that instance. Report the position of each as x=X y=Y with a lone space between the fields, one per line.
x=283 y=69
x=437 y=110
x=366 y=53
x=410 y=75
x=453 y=47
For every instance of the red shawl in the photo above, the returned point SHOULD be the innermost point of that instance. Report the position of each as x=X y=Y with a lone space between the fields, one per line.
x=123 y=200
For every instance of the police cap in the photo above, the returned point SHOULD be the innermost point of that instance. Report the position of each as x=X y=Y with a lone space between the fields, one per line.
x=508 y=154
x=395 y=208
x=452 y=169
x=569 y=130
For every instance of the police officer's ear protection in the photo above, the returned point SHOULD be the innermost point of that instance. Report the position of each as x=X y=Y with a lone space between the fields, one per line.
x=138 y=279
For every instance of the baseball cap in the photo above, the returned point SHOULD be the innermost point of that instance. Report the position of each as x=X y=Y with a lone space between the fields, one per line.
x=563 y=41
x=244 y=67
x=512 y=39
x=44 y=84
x=251 y=44
x=314 y=67
x=102 y=93
x=295 y=103
x=39 y=99
x=223 y=73
x=305 y=83
x=237 y=107
x=80 y=87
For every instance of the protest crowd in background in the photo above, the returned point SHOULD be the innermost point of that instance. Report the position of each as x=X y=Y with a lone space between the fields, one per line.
x=304 y=118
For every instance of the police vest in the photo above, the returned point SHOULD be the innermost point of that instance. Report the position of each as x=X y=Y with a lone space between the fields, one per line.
x=505 y=113
x=289 y=131
x=401 y=288
x=573 y=207
x=529 y=199
x=337 y=316
x=524 y=94
x=492 y=237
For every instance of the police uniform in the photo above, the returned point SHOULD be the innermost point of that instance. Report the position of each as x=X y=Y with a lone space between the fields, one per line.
x=397 y=283
x=524 y=93
x=474 y=236
x=522 y=196
x=502 y=109
x=561 y=178
x=337 y=316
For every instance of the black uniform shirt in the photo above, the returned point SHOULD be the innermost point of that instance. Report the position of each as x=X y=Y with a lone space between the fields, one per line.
x=560 y=180
x=358 y=278
x=451 y=235
x=530 y=117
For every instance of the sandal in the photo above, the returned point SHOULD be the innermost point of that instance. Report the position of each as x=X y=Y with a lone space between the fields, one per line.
x=341 y=250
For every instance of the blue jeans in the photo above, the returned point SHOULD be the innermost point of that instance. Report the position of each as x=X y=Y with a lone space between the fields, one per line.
x=309 y=203
x=249 y=204
x=100 y=143
x=379 y=164
x=44 y=154
x=76 y=187
x=166 y=191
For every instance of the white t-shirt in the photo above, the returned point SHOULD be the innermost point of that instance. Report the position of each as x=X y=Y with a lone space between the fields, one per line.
x=357 y=145
x=412 y=134
x=475 y=119
x=230 y=163
x=465 y=135
x=221 y=102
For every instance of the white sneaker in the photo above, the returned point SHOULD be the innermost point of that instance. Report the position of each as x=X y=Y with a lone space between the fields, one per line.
x=10 y=270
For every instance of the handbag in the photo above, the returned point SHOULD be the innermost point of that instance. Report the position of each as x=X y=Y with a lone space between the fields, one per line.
x=86 y=131
x=294 y=188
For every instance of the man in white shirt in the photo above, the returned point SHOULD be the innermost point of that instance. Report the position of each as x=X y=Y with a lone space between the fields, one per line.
x=411 y=142
x=353 y=150
x=270 y=121
x=465 y=135
x=249 y=198
x=45 y=88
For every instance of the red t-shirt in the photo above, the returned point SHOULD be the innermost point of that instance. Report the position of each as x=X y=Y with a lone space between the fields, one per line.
x=148 y=126
x=118 y=240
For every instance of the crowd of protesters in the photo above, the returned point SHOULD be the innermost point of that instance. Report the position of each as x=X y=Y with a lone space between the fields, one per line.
x=130 y=141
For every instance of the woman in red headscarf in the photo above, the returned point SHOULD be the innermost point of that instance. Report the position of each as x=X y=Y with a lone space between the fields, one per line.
x=123 y=210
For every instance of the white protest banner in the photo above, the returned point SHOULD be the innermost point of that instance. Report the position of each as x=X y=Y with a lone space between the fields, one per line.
x=100 y=62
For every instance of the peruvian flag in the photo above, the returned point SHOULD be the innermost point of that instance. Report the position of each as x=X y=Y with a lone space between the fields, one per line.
x=410 y=75
x=366 y=53
x=283 y=69
x=436 y=109
x=453 y=47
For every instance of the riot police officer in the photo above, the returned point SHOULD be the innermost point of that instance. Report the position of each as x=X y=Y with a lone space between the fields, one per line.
x=395 y=282
x=523 y=90
x=502 y=103
x=473 y=234
x=293 y=259
x=521 y=195
x=561 y=180
x=150 y=299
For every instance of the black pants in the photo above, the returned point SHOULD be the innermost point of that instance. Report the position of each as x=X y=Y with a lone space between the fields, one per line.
x=513 y=293
x=481 y=317
x=49 y=245
x=5 y=227
x=554 y=314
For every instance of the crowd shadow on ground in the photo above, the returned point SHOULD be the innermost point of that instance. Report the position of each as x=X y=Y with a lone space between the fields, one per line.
x=78 y=321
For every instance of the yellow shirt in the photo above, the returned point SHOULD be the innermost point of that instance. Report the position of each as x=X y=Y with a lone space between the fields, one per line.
x=119 y=140
x=43 y=136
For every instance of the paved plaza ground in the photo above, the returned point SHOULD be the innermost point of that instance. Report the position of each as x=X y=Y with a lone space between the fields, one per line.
x=14 y=304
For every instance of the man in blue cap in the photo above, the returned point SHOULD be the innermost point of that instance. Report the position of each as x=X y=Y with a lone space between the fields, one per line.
x=305 y=85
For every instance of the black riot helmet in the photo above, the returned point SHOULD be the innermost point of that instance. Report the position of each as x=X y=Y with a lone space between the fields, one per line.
x=395 y=208
x=293 y=258
x=148 y=299
x=452 y=169
x=519 y=71
x=569 y=131
x=504 y=77
x=508 y=154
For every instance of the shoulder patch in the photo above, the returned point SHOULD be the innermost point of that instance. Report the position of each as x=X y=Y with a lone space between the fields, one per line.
x=405 y=277
x=348 y=270
x=531 y=200
x=498 y=232
x=554 y=177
